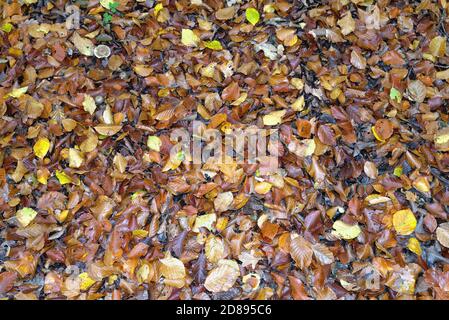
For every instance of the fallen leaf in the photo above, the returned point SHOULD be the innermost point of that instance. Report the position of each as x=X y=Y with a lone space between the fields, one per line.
x=404 y=222
x=345 y=231
x=25 y=216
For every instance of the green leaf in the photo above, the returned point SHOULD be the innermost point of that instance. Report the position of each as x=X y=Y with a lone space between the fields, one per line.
x=213 y=45
x=107 y=18
x=7 y=27
x=252 y=15
x=395 y=95
x=397 y=171
x=113 y=6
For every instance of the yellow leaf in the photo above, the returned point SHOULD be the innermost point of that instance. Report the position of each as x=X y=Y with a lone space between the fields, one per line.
x=346 y=24
x=222 y=223
x=213 y=45
x=205 y=221
x=154 y=143
x=262 y=187
x=106 y=3
x=25 y=216
x=421 y=184
x=42 y=175
x=437 y=46
x=140 y=233
x=345 y=231
x=252 y=15
x=441 y=139
x=41 y=147
x=174 y=161
x=404 y=222
x=63 y=177
x=62 y=215
x=273 y=118
x=376 y=135
x=75 y=158
x=158 y=8
x=189 y=38
x=7 y=27
x=299 y=104
x=89 y=104
x=17 y=93
x=86 y=281
x=172 y=268
x=413 y=246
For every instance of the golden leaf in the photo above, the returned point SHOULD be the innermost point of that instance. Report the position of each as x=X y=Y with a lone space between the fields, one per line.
x=17 y=93
x=63 y=177
x=86 y=281
x=437 y=46
x=414 y=246
x=346 y=24
x=262 y=187
x=41 y=147
x=172 y=268
x=404 y=222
